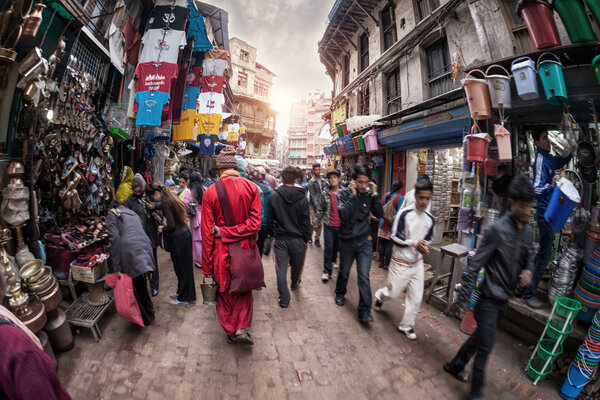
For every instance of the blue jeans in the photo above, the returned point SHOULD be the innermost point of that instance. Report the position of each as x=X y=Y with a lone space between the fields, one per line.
x=542 y=257
x=488 y=314
x=363 y=253
x=332 y=243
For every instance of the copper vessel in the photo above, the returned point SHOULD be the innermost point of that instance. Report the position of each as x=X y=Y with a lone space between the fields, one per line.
x=33 y=21
x=7 y=54
x=36 y=320
x=52 y=299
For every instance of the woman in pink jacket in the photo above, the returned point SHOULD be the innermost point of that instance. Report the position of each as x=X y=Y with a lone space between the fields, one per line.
x=193 y=200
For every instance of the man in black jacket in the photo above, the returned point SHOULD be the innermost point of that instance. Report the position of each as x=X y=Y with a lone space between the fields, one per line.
x=315 y=192
x=288 y=220
x=506 y=254
x=355 y=203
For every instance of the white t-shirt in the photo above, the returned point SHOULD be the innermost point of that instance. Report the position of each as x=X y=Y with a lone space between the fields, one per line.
x=211 y=103
x=214 y=66
x=161 y=45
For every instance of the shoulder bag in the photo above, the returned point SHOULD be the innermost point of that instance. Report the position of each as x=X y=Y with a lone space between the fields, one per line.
x=389 y=211
x=245 y=265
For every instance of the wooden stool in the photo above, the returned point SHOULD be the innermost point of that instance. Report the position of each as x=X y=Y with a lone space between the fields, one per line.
x=446 y=293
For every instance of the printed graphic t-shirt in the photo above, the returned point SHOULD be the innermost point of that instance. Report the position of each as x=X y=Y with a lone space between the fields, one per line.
x=150 y=107
x=190 y=98
x=185 y=129
x=163 y=16
x=211 y=103
x=162 y=46
x=214 y=66
x=212 y=83
x=207 y=144
x=209 y=124
x=155 y=76
x=194 y=76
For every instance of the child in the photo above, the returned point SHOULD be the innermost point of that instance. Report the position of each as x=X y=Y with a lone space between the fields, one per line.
x=411 y=232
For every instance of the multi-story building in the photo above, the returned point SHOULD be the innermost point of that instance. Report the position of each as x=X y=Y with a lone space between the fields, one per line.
x=251 y=84
x=305 y=138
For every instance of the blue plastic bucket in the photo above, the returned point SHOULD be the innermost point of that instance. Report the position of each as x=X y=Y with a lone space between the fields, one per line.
x=559 y=209
x=587 y=313
x=574 y=383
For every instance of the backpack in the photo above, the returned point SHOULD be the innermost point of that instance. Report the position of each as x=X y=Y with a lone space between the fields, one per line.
x=389 y=210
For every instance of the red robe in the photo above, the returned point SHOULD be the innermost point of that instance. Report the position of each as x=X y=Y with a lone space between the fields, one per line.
x=234 y=311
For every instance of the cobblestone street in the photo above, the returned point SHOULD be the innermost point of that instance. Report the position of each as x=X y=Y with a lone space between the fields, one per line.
x=312 y=350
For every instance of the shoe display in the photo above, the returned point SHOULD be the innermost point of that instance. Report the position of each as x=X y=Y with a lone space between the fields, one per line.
x=325 y=277
x=409 y=332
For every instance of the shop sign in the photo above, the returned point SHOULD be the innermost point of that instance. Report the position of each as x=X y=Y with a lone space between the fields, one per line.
x=438 y=118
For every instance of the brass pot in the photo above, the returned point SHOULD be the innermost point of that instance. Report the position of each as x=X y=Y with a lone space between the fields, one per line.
x=36 y=320
x=33 y=270
x=7 y=54
x=44 y=282
x=19 y=301
x=30 y=60
x=52 y=299
x=33 y=21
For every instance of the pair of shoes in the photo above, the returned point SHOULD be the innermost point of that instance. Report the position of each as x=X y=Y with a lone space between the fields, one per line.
x=325 y=277
x=409 y=332
x=462 y=376
x=294 y=287
x=154 y=292
x=281 y=304
x=378 y=304
x=365 y=318
x=533 y=303
x=317 y=243
x=339 y=300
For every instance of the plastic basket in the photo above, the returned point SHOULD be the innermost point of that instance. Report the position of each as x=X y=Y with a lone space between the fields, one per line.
x=535 y=369
x=554 y=329
x=545 y=349
x=566 y=307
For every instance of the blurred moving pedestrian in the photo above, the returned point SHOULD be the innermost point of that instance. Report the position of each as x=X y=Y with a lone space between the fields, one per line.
x=409 y=197
x=212 y=178
x=315 y=191
x=327 y=213
x=265 y=192
x=383 y=233
x=195 y=214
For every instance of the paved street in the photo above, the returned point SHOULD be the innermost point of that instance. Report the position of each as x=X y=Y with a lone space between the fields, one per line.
x=312 y=350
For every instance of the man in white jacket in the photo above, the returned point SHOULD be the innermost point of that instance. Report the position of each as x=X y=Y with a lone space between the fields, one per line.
x=411 y=233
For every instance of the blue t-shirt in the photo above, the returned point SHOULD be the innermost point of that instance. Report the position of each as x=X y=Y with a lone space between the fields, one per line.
x=150 y=107
x=197 y=29
x=206 y=144
x=190 y=98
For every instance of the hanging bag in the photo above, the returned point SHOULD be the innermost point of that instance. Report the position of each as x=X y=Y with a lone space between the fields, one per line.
x=245 y=265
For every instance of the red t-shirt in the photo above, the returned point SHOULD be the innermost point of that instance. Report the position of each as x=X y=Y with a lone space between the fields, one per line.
x=194 y=76
x=335 y=217
x=212 y=83
x=156 y=77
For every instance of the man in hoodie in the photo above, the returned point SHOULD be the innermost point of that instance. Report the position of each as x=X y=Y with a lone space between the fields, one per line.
x=265 y=192
x=288 y=220
x=315 y=191
x=355 y=203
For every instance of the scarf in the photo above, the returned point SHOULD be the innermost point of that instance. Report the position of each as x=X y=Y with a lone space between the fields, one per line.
x=229 y=173
x=9 y=316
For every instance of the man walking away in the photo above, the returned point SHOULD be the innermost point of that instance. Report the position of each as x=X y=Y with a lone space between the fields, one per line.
x=315 y=190
x=327 y=213
x=544 y=182
x=234 y=311
x=212 y=178
x=354 y=205
x=289 y=223
x=412 y=231
x=265 y=192
x=506 y=254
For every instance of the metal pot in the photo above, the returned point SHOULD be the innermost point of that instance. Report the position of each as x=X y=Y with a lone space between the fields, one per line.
x=33 y=21
x=33 y=270
x=30 y=60
x=7 y=54
x=586 y=154
x=52 y=299
x=588 y=174
x=37 y=319
x=59 y=331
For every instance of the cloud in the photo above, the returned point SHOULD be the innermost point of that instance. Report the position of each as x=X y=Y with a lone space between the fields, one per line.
x=286 y=34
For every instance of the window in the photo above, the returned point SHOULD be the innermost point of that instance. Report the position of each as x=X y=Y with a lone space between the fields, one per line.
x=394 y=100
x=426 y=7
x=346 y=74
x=363 y=105
x=244 y=55
x=364 y=51
x=242 y=79
x=438 y=68
x=388 y=26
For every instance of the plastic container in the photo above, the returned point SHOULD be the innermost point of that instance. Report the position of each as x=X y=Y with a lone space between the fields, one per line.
x=535 y=369
x=539 y=18
x=587 y=313
x=555 y=326
x=592 y=243
x=574 y=383
x=523 y=70
x=478 y=96
x=545 y=349
x=561 y=205
x=477 y=145
x=566 y=307
x=575 y=19
x=502 y=136
x=553 y=79
x=371 y=143
x=499 y=88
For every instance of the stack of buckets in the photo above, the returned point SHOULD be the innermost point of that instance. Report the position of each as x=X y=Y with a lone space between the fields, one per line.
x=549 y=347
x=586 y=361
x=588 y=288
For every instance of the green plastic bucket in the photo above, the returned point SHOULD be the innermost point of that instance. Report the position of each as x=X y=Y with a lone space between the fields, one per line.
x=554 y=329
x=553 y=79
x=589 y=288
x=596 y=65
x=535 y=369
x=594 y=6
x=545 y=349
x=574 y=17
x=566 y=307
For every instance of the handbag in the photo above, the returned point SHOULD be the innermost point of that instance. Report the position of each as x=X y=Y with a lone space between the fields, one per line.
x=192 y=208
x=245 y=265
x=389 y=211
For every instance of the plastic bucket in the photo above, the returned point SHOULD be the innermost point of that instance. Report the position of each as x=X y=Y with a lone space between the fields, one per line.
x=594 y=6
x=566 y=307
x=504 y=146
x=545 y=349
x=499 y=88
x=371 y=141
x=559 y=209
x=586 y=297
x=587 y=313
x=523 y=70
x=478 y=96
x=539 y=18
x=554 y=329
x=535 y=369
x=594 y=290
x=476 y=146
x=574 y=383
x=592 y=243
x=575 y=19
x=553 y=79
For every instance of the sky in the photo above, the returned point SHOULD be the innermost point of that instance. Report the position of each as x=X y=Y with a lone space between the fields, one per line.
x=285 y=33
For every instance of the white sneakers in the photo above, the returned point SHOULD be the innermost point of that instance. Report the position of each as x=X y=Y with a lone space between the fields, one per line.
x=325 y=277
x=409 y=332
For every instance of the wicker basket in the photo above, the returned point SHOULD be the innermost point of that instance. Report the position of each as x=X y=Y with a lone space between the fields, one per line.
x=88 y=274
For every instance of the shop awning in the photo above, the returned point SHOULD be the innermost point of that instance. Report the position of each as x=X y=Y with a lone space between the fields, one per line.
x=441 y=129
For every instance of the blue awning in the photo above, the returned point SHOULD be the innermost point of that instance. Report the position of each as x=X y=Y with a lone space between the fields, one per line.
x=441 y=129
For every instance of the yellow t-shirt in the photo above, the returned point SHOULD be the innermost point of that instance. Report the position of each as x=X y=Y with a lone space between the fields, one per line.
x=233 y=136
x=185 y=130
x=209 y=123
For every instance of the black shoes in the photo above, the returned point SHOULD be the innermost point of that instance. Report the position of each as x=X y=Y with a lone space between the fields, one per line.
x=294 y=287
x=378 y=305
x=154 y=292
x=243 y=338
x=365 y=318
x=339 y=300
x=282 y=305
x=317 y=243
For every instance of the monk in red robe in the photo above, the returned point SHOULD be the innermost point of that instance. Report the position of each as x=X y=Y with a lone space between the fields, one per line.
x=233 y=310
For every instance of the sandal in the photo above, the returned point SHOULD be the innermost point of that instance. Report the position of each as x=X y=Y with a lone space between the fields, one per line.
x=175 y=302
x=462 y=376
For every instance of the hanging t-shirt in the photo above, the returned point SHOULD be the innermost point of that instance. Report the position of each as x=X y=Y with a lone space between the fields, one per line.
x=206 y=144
x=161 y=45
x=223 y=134
x=234 y=127
x=194 y=76
x=211 y=103
x=197 y=29
x=233 y=136
x=165 y=16
x=212 y=83
x=190 y=98
x=185 y=129
x=209 y=124
x=155 y=76
x=214 y=66
x=150 y=107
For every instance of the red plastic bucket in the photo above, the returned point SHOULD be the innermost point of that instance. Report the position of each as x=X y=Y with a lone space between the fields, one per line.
x=539 y=18
x=476 y=147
